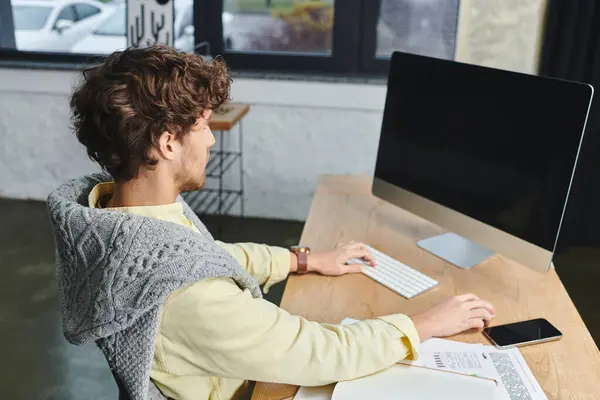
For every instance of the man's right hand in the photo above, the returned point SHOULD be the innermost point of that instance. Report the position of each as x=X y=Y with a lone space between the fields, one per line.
x=455 y=315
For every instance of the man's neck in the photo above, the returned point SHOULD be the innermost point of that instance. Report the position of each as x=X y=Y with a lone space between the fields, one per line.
x=144 y=190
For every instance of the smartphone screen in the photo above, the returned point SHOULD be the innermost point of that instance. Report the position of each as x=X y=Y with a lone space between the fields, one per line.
x=522 y=332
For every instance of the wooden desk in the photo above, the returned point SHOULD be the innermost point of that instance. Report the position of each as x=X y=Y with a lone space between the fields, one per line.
x=343 y=209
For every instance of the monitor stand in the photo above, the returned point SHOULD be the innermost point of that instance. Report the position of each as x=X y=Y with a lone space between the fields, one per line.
x=455 y=249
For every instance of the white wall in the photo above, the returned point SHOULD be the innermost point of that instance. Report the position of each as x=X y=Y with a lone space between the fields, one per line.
x=37 y=150
x=294 y=132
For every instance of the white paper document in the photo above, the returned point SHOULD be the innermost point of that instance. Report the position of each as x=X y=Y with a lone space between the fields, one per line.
x=506 y=367
x=489 y=372
x=450 y=356
x=517 y=380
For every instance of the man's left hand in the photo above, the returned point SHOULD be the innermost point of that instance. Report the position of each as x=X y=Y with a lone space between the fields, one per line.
x=334 y=263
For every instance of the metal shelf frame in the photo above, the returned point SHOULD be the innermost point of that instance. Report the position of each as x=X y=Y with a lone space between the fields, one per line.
x=221 y=200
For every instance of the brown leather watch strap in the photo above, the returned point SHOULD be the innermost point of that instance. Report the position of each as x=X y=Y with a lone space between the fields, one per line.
x=302 y=262
x=302 y=253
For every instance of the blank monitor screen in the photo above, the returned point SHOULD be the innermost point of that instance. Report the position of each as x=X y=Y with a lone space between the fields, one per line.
x=497 y=146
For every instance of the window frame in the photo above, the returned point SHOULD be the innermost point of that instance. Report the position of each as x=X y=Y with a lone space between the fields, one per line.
x=352 y=54
x=7 y=26
x=368 y=54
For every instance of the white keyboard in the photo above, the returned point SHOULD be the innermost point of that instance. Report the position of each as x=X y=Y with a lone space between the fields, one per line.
x=395 y=275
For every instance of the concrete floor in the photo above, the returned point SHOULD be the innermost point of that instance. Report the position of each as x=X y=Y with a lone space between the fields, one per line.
x=39 y=364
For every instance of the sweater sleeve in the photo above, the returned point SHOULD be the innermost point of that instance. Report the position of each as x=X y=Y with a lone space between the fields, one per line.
x=268 y=265
x=214 y=328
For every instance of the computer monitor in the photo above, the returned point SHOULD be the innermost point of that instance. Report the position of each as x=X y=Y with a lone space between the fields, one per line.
x=486 y=154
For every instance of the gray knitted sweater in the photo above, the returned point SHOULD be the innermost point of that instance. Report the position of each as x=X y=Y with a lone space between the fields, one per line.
x=115 y=270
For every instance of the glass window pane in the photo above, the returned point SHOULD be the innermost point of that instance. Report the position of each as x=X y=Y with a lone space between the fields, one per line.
x=184 y=25
x=426 y=27
x=60 y=26
x=99 y=27
x=187 y=19
x=113 y=26
x=85 y=10
x=108 y=35
x=278 y=25
x=30 y=18
x=67 y=14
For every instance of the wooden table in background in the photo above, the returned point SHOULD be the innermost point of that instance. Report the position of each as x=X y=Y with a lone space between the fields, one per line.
x=225 y=118
x=344 y=209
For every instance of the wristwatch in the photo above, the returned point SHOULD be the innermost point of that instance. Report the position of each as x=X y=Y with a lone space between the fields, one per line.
x=302 y=253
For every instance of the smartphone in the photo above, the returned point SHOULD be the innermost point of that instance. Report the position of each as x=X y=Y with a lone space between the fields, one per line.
x=522 y=333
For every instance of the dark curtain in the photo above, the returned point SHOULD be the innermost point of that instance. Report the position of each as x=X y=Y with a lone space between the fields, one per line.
x=571 y=50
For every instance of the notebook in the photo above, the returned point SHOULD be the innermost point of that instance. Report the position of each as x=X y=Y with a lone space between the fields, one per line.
x=407 y=382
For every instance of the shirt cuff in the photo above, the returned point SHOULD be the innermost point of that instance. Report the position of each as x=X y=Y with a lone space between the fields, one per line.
x=411 y=337
x=280 y=266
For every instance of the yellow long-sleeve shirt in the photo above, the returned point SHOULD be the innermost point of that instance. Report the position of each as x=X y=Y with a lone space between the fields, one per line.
x=214 y=336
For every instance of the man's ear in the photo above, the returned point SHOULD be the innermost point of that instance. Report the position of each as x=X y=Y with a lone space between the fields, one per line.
x=167 y=146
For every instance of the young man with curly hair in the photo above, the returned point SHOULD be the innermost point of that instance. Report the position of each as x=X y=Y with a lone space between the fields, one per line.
x=176 y=313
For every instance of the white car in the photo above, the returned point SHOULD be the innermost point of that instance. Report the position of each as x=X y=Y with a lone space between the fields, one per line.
x=111 y=34
x=55 y=25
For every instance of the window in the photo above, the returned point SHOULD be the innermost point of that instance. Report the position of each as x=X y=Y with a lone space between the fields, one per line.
x=85 y=11
x=67 y=14
x=113 y=26
x=299 y=36
x=187 y=19
x=30 y=18
x=284 y=26
x=109 y=36
x=426 y=27
x=283 y=35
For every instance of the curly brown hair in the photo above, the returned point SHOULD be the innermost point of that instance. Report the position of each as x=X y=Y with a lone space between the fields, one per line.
x=124 y=104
